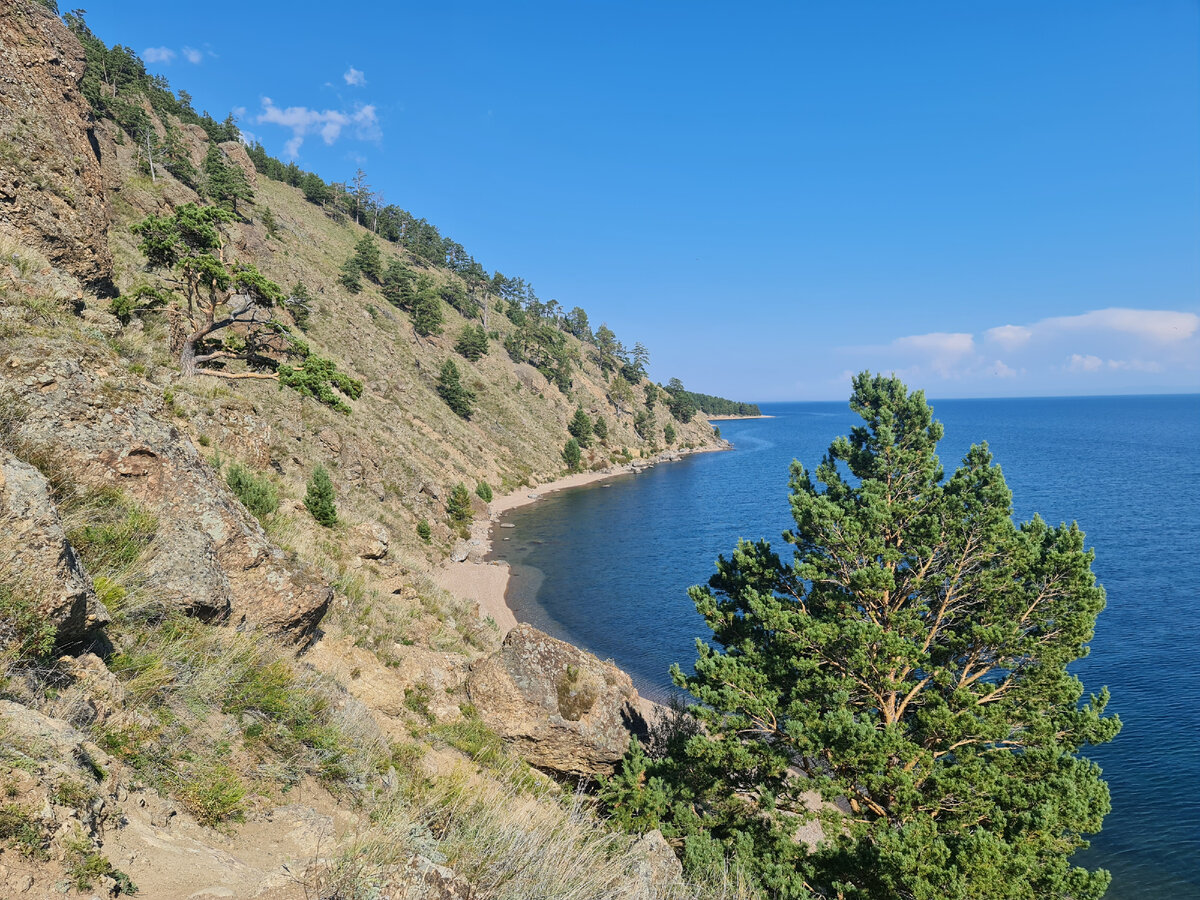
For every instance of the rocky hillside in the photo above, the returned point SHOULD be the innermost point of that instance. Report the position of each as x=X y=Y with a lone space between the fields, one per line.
x=206 y=691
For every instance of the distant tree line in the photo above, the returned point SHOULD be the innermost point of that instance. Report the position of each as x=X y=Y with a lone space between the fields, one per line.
x=707 y=403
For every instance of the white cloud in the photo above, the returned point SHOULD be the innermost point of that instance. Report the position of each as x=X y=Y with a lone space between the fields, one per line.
x=328 y=123
x=354 y=77
x=1080 y=363
x=941 y=351
x=192 y=55
x=1158 y=325
x=1000 y=370
x=158 y=54
x=1008 y=336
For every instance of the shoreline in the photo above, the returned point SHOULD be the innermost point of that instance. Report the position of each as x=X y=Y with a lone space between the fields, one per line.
x=485 y=583
x=735 y=418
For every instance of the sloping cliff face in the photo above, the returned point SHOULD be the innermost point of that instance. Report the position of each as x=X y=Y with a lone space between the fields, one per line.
x=208 y=557
x=51 y=184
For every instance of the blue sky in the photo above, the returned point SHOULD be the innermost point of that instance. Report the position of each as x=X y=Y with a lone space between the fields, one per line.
x=992 y=199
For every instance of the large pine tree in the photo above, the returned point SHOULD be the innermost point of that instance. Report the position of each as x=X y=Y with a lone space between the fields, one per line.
x=909 y=666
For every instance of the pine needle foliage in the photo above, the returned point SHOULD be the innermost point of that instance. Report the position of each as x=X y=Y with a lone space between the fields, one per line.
x=909 y=666
x=319 y=499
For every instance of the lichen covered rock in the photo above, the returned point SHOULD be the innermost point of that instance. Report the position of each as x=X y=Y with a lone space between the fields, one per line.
x=38 y=562
x=560 y=707
x=209 y=557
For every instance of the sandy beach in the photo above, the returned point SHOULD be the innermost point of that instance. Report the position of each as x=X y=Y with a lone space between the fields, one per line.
x=485 y=583
x=731 y=418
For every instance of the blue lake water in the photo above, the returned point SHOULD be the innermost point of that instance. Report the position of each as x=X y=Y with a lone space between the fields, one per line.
x=607 y=567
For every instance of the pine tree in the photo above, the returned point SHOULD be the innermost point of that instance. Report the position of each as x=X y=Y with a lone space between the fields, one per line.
x=398 y=285
x=368 y=257
x=351 y=275
x=424 y=532
x=319 y=498
x=225 y=182
x=450 y=388
x=601 y=429
x=459 y=505
x=669 y=433
x=572 y=456
x=580 y=427
x=472 y=342
x=427 y=311
x=483 y=491
x=910 y=666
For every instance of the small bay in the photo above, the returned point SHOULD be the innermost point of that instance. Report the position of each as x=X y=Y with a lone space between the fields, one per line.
x=607 y=567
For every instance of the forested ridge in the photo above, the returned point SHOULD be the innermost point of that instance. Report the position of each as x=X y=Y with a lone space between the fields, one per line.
x=116 y=82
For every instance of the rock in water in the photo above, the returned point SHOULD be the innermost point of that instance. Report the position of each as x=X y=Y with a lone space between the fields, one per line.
x=561 y=708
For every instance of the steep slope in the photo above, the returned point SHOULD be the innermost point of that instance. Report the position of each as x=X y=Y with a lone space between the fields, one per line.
x=153 y=697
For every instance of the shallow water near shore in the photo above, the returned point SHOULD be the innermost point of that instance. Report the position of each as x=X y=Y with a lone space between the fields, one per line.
x=607 y=567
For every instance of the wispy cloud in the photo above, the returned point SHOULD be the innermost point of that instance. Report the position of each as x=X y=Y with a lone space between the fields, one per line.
x=328 y=123
x=158 y=55
x=1158 y=325
x=1113 y=343
x=354 y=77
x=192 y=55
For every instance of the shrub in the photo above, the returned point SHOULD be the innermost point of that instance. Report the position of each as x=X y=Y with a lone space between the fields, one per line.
x=484 y=491
x=320 y=499
x=669 y=433
x=19 y=828
x=256 y=492
x=25 y=635
x=600 y=428
x=423 y=530
x=214 y=794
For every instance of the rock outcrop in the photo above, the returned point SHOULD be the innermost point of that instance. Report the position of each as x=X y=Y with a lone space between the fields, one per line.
x=209 y=556
x=51 y=184
x=562 y=709
x=38 y=562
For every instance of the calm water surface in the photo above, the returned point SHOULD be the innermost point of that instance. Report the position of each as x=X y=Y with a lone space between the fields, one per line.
x=607 y=568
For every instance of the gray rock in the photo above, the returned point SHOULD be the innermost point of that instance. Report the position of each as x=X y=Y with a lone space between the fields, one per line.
x=38 y=561
x=370 y=540
x=209 y=556
x=560 y=707
x=659 y=869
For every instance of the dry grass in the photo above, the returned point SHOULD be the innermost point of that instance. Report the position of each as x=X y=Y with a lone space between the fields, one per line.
x=511 y=841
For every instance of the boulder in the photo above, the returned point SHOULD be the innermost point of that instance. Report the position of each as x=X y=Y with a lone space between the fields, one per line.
x=659 y=869
x=370 y=540
x=37 y=560
x=423 y=879
x=209 y=557
x=561 y=708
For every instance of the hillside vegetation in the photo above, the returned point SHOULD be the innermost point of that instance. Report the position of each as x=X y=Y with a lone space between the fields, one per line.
x=241 y=427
